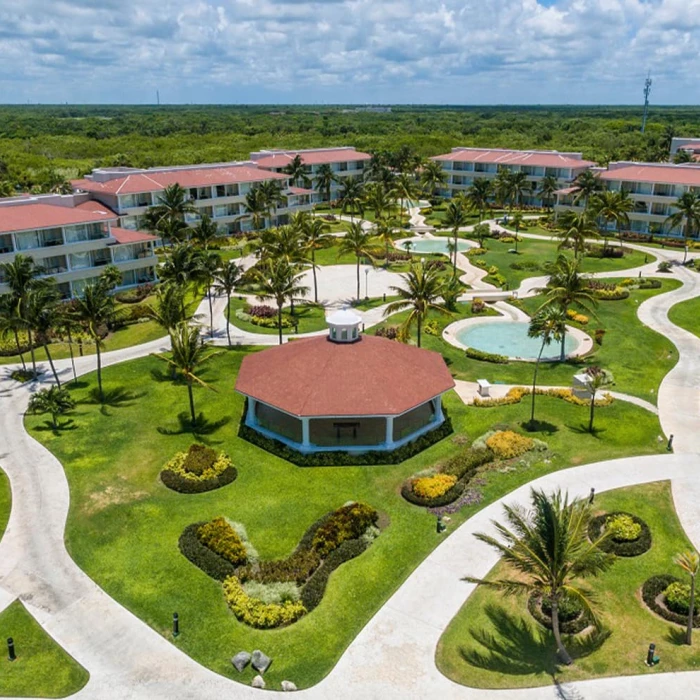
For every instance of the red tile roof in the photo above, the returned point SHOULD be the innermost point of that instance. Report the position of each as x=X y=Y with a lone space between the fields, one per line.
x=124 y=235
x=664 y=174
x=23 y=217
x=299 y=190
x=542 y=159
x=317 y=377
x=96 y=207
x=336 y=155
x=159 y=180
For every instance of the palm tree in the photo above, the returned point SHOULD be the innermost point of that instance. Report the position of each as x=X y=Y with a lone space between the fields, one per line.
x=613 y=207
x=95 y=309
x=432 y=176
x=168 y=310
x=188 y=355
x=173 y=205
x=358 y=242
x=206 y=231
x=181 y=269
x=421 y=293
x=208 y=264
x=548 y=547
x=111 y=276
x=517 y=221
x=519 y=186
x=586 y=184
x=41 y=316
x=479 y=195
x=682 y=156
x=548 y=186
x=280 y=281
x=566 y=288
x=455 y=218
x=351 y=196
x=406 y=190
x=256 y=206
x=54 y=400
x=315 y=236
x=225 y=281
x=272 y=195
x=576 y=229
x=11 y=323
x=688 y=216
x=598 y=378
x=502 y=187
x=66 y=325
x=548 y=324
x=297 y=172
x=690 y=563
x=325 y=177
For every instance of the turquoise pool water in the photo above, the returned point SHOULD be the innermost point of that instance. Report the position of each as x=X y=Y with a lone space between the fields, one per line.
x=510 y=338
x=435 y=245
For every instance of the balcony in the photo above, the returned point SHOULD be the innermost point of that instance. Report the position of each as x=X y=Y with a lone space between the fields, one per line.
x=93 y=258
x=30 y=240
x=54 y=265
x=6 y=245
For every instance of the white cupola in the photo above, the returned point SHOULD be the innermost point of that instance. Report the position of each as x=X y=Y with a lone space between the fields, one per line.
x=344 y=326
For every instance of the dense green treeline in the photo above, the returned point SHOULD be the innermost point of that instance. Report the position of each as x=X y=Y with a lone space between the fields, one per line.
x=36 y=142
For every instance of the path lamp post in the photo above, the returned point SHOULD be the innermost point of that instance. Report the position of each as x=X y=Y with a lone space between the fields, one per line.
x=176 y=625
x=366 y=283
x=11 y=656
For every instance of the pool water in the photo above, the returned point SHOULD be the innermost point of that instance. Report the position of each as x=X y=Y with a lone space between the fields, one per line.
x=435 y=245
x=510 y=338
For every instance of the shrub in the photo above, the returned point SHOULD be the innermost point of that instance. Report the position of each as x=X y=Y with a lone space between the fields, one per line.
x=656 y=586
x=478 y=306
x=650 y=284
x=507 y=444
x=599 y=336
x=262 y=311
x=254 y=612
x=620 y=548
x=271 y=322
x=194 y=471
x=664 y=266
x=623 y=528
x=474 y=252
x=572 y=619
x=272 y=593
x=296 y=568
x=677 y=597
x=222 y=539
x=390 y=332
x=134 y=296
x=529 y=265
x=198 y=459
x=446 y=498
x=201 y=556
x=612 y=294
x=577 y=317
x=430 y=487
x=347 y=523
x=465 y=464
x=482 y=356
x=432 y=328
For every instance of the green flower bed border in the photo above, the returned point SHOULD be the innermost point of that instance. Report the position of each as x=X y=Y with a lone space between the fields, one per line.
x=620 y=549
x=575 y=626
x=656 y=585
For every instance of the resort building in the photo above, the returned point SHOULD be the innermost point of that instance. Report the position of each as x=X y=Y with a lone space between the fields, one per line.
x=344 y=162
x=464 y=165
x=218 y=190
x=691 y=145
x=653 y=187
x=344 y=391
x=72 y=238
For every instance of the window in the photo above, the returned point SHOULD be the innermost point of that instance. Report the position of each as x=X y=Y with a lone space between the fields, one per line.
x=333 y=334
x=6 y=244
x=344 y=334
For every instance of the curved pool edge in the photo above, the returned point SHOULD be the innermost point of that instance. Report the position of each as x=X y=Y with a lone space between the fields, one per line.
x=449 y=335
x=429 y=237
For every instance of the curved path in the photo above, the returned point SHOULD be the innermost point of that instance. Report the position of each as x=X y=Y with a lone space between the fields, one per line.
x=393 y=656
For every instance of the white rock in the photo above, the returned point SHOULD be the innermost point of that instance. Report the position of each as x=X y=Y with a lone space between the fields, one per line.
x=288 y=686
x=258 y=682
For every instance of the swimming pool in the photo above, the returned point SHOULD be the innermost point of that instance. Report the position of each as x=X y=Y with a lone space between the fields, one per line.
x=510 y=338
x=433 y=245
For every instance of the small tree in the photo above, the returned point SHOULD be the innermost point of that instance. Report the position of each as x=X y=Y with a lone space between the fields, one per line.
x=225 y=282
x=481 y=232
x=54 y=400
x=360 y=244
x=598 y=378
x=517 y=223
x=690 y=563
x=455 y=218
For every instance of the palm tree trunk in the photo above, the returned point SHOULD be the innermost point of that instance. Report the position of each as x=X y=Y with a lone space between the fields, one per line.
x=211 y=312
x=99 y=369
x=358 y=278
x=228 y=323
x=19 y=351
x=190 y=394
x=562 y=355
x=313 y=271
x=31 y=350
x=563 y=653
x=72 y=357
x=691 y=610
x=418 y=325
x=454 y=266
x=53 y=368
x=54 y=420
x=590 y=418
x=279 y=321
x=534 y=382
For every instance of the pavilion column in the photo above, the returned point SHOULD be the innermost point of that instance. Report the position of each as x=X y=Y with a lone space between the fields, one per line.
x=305 y=440
x=251 y=419
x=389 y=431
x=437 y=403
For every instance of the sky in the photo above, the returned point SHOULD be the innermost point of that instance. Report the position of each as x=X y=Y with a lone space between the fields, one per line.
x=349 y=51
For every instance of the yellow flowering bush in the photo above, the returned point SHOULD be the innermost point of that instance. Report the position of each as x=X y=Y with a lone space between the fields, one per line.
x=507 y=444
x=256 y=613
x=178 y=465
x=577 y=317
x=516 y=394
x=433 y=486
x=221 y=538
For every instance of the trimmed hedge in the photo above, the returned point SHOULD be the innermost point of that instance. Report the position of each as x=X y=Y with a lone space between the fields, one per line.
x=201 y=556
x=652 y=588
x=344 y=459
x=475 y=354
x=198 y=470
x=179 y=483
x=631 y=548
x=578 y=624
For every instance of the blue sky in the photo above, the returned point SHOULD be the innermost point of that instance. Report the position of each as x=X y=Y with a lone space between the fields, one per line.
x=357 y=51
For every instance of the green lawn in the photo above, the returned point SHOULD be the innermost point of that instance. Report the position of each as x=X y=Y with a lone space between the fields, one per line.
x=309 y=319
x=124 y=525
x=493 y=642
x=5 y=501
x=42 y=668
x=687 y=315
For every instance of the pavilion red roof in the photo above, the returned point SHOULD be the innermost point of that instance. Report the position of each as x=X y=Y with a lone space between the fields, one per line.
x=318 y=377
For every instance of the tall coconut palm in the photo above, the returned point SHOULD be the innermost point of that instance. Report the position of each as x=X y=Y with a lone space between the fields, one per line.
x=324 y=179
x=517 y=221
x=172 y=205
x=586 y=184
x=406 y=190
x=205 y=232
x=690 y=563
x=566 y=288
x=547 y=546
x=351 y=196
x=66 y=327
x=359 y=243
x=548 y=186
x=207 y=266
x=519 y=186
x=256 y=207
x=41 y=313
x=687 y=216
x=225 y=281
x=549 y=324
x=315 y=236
x=502 y=187
x=479 y=195
x=188 y=356
x=95 y=309
x=272 y=195
x=281 y=282
x=598 y=379
x=613 y=207
x=432 y=176
x=576 y=229
x=168 y=310
x=11 y=324
x=455 y=218
x=297 y=172
x=181 y=269
x=421 y=293
x=380 y=199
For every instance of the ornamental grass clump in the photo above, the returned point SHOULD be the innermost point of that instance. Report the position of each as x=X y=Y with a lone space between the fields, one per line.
x=623 y=528
x=222 y=539
x=507 y=444
x=433 y=486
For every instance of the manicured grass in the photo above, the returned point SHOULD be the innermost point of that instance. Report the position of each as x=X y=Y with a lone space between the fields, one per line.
x=124 y=525
x=5 y=501
x=309 y=319
x=493 y=642
x=687 y=315
x=367 y=304
x=42 y=668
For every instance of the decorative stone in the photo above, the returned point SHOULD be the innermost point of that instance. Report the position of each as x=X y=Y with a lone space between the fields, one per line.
x=258 y=682
x=240 y=660
x=260 y=661
x=288 y=686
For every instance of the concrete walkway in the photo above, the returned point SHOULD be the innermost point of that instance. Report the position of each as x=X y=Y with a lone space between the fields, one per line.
x=393 y=656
